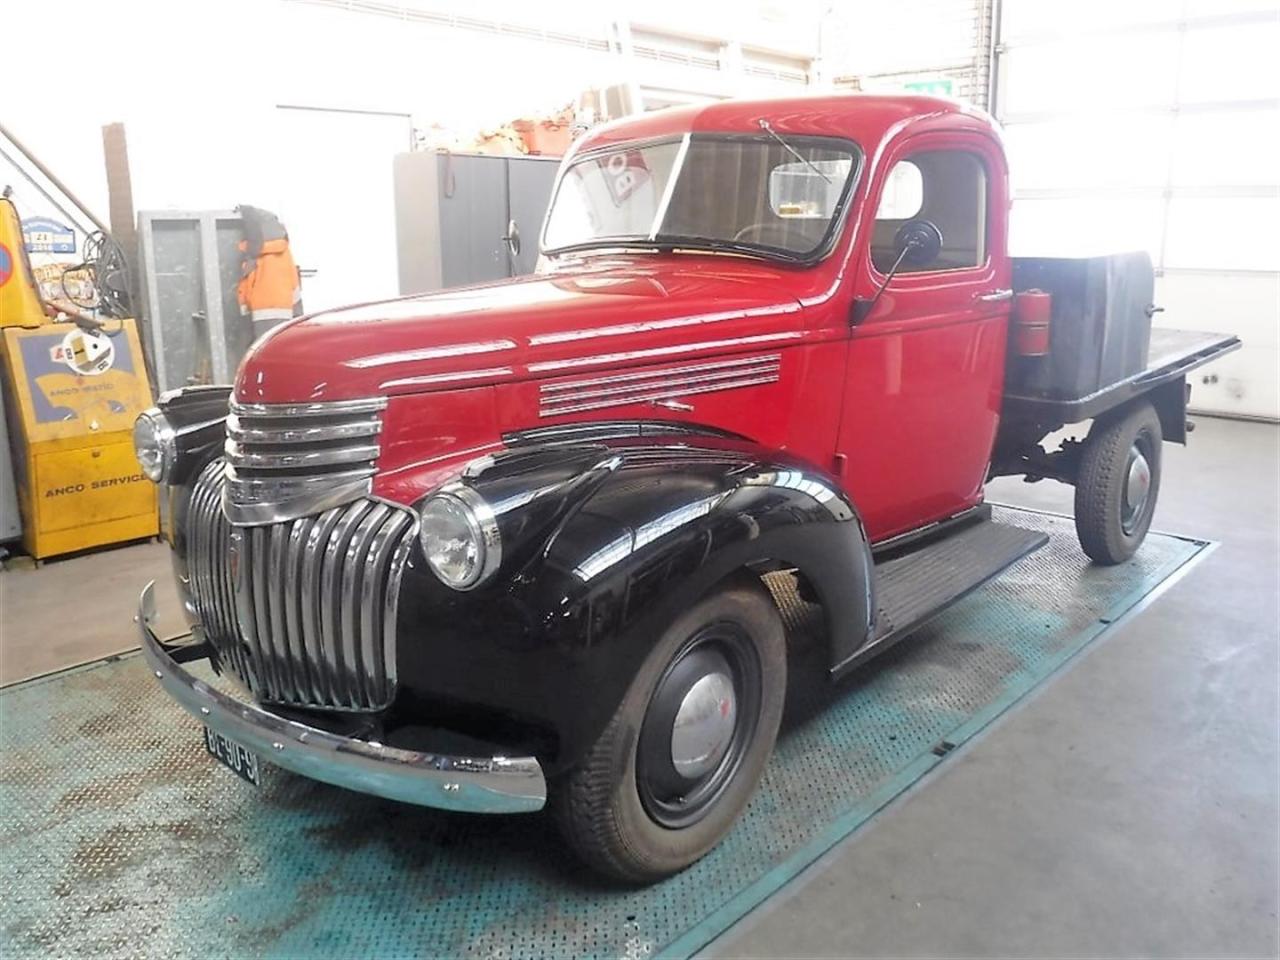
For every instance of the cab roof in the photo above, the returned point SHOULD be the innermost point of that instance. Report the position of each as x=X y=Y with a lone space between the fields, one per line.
x=864 y=118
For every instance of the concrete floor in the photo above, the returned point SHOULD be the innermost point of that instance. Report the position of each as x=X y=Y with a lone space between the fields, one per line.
x=1127 y=809
x=66 y=612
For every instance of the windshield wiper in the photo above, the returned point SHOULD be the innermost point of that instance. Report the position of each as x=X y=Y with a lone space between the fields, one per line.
x=764 y=125
x=669 y=243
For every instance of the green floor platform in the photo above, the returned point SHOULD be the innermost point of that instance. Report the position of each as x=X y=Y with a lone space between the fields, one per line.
x=120 y=837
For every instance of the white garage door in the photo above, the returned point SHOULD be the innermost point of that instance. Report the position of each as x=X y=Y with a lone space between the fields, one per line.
x=1141 y=124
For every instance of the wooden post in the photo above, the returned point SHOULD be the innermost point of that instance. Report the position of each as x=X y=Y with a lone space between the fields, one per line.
x=120 y=202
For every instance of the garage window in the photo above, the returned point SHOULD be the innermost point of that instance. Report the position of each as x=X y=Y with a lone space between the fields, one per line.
x=947 y=188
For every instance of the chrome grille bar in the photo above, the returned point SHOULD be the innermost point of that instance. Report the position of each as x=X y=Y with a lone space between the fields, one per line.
x=332 y=408
x=293 y=433
x=291 y=460
x=303 y=611
x=245 y=457
x=309 y=598
x=354 y=577
x=306 y=680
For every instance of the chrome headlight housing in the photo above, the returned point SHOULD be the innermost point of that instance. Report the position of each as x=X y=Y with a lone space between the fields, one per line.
x=155 y=445
x=459 y=535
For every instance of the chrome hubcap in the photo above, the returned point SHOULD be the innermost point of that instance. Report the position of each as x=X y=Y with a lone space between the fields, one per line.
x=1137 y=487
x=700 y=722
x=704 y=725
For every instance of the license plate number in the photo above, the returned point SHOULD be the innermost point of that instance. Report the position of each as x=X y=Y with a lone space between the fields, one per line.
x=230 y=754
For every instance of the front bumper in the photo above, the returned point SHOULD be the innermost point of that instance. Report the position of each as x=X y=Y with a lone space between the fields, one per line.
x=470 y=784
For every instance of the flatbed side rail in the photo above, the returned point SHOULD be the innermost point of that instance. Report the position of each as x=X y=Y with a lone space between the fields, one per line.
x=1173 y=354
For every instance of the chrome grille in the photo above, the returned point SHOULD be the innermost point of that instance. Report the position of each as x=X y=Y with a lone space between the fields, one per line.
x=304 y=610
x=288 y=460
x=649 y=386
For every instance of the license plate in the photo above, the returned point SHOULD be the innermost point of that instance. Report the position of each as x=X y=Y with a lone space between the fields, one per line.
x=231 y=754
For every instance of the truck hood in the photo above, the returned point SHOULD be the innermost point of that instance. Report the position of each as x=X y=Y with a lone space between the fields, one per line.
x=593 y=314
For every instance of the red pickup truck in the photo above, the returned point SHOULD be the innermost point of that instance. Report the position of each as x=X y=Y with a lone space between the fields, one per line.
x=502 y=546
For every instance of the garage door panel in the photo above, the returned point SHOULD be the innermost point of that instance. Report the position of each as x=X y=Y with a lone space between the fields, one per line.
x=1242 y=384
x=1230 y=148
x=1230 y=62
x=1118 y=71
x=1040 y=19
x=1172 y=110
x=1057 y=154
x=1074 y=225
x=1226 y=233
x=1203 y=8
x=1203 y=300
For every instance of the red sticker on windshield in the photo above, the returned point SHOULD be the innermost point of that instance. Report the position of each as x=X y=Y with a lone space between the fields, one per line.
x=624 y=173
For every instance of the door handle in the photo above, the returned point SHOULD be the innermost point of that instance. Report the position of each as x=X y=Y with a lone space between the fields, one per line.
x=995 y=296
x=512 y=238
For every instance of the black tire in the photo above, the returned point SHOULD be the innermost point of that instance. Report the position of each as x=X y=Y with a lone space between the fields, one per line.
x=610 y=808
x=1109 y=525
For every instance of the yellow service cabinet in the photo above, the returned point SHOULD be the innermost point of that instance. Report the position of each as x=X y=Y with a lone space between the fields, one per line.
x=73 y=396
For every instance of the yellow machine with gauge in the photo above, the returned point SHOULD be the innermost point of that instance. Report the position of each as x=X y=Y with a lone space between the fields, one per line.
x=72 y=393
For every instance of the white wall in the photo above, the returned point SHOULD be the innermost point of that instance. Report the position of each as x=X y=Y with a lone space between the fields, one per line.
x=198 y=85
x=198 y=91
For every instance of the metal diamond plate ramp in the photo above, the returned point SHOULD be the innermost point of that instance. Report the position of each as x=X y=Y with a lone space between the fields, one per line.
x=121 y=838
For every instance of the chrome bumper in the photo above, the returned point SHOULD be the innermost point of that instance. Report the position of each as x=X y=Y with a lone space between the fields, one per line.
x=470 y=784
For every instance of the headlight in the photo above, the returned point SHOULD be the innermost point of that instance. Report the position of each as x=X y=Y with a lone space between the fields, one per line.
x=459 y=536
x=154 y=445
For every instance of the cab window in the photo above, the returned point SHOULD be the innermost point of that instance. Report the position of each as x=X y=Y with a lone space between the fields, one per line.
x=945 y=187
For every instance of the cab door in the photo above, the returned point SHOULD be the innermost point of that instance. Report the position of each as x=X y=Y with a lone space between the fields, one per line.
x=926 y=364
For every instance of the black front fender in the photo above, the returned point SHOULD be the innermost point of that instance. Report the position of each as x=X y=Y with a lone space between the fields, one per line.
x=603 y=545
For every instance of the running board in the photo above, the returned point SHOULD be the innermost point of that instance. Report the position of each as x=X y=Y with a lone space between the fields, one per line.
x=913 y=587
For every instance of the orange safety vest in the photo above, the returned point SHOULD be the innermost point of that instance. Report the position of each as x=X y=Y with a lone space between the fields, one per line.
x=270 y=289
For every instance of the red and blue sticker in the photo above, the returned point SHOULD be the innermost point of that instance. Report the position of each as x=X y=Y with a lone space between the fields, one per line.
x=6 y=264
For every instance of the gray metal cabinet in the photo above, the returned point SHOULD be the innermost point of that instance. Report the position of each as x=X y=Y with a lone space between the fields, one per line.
x=10 y=518
x=466 y=218
x=529 y=184
x=191 y=264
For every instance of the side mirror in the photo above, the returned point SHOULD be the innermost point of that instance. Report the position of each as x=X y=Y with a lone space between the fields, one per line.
x=917 y=242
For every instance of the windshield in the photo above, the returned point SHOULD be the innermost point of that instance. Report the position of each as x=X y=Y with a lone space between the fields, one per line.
x=744 y=194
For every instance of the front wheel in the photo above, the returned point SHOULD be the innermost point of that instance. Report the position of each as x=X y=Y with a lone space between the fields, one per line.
x=1117 y=484
x=687 y=745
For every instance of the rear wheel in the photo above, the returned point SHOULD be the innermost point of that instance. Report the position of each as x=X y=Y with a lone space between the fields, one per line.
x=686 y=748
x=1117 y=484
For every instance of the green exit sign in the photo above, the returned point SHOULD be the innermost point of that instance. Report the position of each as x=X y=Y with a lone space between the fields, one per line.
x=933 y=88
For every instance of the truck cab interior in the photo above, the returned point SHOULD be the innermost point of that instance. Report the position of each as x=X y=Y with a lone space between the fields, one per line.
x=947 y=188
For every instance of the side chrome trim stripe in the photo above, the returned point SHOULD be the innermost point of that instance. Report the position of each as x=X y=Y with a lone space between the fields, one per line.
x=660 y=373
x=666 y=383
